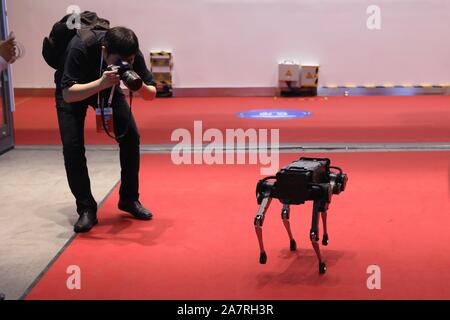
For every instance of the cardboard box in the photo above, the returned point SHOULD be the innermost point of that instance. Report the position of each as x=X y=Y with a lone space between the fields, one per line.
x=288 y=71
x=309 y=76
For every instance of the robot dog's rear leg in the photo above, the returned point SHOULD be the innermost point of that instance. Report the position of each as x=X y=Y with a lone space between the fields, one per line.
x=259 y=221
x=314 y=236
x=285 y=213
x=325 y=239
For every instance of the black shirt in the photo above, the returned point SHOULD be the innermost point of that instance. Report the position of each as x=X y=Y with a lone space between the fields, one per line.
x=82 y=64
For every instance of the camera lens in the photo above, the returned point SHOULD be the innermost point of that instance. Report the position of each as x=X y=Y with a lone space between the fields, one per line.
x=132 y=80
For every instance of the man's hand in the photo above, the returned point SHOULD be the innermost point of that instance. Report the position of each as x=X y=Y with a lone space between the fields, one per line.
x=79 y=92
x=8 y=49
x=109 y=79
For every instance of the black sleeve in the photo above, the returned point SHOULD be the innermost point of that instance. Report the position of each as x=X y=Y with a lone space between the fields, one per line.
x=141 y=69
x=75 y=67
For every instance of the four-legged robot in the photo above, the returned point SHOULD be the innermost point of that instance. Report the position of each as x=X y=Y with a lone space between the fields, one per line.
x=303 y=180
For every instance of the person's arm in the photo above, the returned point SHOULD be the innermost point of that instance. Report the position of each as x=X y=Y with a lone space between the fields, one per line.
x=76 y=69
x=148 y=90
x=79 y=92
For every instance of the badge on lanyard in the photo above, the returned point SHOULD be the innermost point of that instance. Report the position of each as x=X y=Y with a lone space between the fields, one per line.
x=104 y=117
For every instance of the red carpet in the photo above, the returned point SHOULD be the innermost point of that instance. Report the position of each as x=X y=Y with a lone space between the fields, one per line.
x=337 y=119
x=202 y=245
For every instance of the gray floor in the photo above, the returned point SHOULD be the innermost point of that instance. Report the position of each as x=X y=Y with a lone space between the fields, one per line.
x=38 y=210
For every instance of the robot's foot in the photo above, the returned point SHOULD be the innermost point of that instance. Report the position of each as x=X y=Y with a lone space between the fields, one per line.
x=322 y=268
x=325 y=239
x=293 y=245
x=263 y=258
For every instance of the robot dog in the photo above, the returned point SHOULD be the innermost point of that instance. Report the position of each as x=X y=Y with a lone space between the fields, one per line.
x=303 y=180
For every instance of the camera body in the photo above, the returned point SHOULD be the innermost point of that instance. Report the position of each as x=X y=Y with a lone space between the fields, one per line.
x=126 y=73
x=303 y=180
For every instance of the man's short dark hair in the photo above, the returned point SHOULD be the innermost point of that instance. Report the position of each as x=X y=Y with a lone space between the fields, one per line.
x=121 y=41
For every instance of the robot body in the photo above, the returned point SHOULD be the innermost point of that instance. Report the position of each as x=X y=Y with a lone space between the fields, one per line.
x=307 y=179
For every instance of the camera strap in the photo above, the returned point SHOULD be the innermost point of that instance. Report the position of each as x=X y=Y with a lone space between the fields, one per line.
x=105 y=115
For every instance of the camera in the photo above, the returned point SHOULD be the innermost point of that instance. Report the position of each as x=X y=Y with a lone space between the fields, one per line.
x=129 y=77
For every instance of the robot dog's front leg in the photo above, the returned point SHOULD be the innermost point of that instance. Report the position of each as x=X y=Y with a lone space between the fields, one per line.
x=314 y=235
x=259 y=221
x=285 y=213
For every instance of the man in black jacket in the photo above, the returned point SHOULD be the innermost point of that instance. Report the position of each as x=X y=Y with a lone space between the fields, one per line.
x=85 y=81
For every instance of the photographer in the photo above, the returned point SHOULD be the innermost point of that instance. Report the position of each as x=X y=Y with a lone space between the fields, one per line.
x=84 y=82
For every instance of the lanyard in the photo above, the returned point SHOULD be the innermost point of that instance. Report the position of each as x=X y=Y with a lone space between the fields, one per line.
x=109 y=104
x=112 y=89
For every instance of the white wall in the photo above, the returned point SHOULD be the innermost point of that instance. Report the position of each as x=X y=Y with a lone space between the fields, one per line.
x=237 y=43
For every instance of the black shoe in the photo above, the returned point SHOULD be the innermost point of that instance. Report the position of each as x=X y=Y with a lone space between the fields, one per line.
x=2 y=296
x=87 y=220
x=136 y=209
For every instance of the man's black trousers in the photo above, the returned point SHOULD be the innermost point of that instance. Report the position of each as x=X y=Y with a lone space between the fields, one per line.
x=71 y=119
